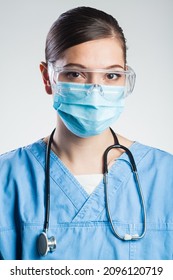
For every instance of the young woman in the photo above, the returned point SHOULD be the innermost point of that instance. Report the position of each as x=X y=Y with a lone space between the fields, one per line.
x=85 y=192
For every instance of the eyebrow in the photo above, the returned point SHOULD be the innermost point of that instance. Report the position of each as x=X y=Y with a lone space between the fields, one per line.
x=84 y=67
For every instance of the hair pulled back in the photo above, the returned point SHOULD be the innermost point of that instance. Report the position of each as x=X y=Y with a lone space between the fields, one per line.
x=79 y=25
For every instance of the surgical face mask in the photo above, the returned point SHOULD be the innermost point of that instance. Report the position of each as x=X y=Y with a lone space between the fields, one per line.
x=87 y=109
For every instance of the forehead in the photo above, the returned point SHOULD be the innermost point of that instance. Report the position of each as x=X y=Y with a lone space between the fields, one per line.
x=99 y=53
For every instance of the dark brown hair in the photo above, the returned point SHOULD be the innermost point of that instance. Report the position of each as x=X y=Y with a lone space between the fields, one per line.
x=80 y=25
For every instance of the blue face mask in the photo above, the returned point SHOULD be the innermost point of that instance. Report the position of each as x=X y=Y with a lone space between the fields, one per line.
x=87 y=109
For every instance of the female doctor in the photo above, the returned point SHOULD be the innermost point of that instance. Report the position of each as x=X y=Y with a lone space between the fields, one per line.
x=85 y=192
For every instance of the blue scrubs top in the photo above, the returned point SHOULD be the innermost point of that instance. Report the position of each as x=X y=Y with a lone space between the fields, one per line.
x=78 y=220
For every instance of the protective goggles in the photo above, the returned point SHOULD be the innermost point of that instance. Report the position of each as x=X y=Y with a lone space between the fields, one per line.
x=106 y=77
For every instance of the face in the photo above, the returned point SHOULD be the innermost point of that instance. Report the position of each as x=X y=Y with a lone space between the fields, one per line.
x=104 y=54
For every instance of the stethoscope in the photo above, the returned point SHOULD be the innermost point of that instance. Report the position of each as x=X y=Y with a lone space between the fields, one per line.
x=47 y=244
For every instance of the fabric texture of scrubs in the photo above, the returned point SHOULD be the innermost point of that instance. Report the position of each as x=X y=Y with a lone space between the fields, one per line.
x=78 y=220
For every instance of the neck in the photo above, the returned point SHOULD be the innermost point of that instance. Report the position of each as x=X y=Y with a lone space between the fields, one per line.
x=81 y=155
x=85 y=155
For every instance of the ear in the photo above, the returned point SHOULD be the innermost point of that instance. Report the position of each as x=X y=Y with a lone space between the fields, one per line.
x=45 y=76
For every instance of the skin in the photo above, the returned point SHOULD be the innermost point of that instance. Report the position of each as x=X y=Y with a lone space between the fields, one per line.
x=85 y=155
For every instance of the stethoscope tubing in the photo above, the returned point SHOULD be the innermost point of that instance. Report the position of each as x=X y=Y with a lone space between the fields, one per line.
x=47 y=183
x=136 y=178
x=46 y=244
x=49 y=244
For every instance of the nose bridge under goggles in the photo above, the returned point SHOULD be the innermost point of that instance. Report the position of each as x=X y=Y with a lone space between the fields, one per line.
x=105 y=77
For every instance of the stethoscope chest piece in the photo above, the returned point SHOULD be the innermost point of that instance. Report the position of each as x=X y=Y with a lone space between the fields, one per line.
x=45 y=244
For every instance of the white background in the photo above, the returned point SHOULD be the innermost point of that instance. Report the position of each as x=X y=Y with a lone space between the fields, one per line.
x=26 y=112
x=83 y=266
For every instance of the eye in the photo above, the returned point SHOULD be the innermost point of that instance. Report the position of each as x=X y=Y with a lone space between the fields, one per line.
x=75 y=76
x=113 y=76
x=72 y=74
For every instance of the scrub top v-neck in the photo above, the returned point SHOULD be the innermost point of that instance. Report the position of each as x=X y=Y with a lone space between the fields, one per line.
x=78 y=220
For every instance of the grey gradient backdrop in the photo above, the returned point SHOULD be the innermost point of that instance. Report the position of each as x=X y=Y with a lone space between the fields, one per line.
x=26 y=112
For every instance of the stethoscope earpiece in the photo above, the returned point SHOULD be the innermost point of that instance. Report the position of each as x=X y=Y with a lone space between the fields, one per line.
x=46 y=244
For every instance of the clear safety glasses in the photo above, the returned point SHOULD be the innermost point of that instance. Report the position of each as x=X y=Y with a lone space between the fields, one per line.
x=106 y=77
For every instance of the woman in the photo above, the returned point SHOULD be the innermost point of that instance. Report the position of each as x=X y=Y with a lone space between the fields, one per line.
x=92 y=216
